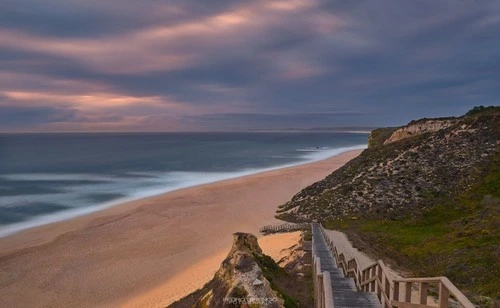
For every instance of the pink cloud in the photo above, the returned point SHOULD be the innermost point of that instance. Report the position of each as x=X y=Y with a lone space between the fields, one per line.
x=99 y=123
x=84 y=100
x=171 y=47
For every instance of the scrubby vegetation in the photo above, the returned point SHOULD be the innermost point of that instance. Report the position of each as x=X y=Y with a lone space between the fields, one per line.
x=244 y=264
x=429 y=200
x=402 y=178
x=379 y=135
x=278 y=278
x=459 y=238
x=482 y=110
x=293 y=282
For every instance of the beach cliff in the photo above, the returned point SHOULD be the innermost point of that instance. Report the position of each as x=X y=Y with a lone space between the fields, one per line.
x=425 y=196
x=405 y=171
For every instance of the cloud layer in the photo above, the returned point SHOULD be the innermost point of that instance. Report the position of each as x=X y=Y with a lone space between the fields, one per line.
x=123 y=65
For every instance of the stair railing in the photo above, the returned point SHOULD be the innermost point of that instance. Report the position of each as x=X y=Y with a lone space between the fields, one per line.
x=323 y=296
x=286 y=227
x=375 y=278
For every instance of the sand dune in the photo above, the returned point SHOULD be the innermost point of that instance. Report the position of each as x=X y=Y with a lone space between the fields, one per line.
x=128 y=254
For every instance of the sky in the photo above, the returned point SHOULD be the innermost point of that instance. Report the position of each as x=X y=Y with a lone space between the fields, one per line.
x=193 y=65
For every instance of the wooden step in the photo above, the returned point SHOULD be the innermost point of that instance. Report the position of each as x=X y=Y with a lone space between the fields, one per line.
x=345 y=294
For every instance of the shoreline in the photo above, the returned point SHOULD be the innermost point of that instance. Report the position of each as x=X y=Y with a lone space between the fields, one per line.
x=119 y=254
x=314 y=156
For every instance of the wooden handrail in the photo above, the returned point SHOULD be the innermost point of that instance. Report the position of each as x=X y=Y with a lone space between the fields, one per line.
x=444 y=282
x=323 y=297
x=286 y=227
x=375 y=278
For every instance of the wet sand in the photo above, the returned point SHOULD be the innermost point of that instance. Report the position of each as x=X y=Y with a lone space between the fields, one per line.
x=128 y=254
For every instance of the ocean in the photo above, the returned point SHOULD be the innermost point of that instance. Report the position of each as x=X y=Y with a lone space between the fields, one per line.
x=46 y=178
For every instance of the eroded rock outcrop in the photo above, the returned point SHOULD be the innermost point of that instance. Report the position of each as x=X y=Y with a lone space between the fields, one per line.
x=419 y=127
x=239 y=282
x=242 y=278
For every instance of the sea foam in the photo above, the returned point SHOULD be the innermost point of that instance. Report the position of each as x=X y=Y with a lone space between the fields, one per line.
x=133 y=186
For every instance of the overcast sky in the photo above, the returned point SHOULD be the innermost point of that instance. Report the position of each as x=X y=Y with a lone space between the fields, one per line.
x=160 y=65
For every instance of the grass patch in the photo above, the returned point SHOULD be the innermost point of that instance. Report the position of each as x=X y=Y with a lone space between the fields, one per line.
x=295 y=292
x=275 y=275
x=456 y=237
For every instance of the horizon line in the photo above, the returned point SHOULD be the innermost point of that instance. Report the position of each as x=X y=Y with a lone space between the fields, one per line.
x=337 y=130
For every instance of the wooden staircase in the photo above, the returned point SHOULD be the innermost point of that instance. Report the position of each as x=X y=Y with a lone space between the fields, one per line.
x=341 y=283
x=343 y=289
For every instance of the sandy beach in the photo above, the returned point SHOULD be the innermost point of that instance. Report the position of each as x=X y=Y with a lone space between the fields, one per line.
x=149 y=252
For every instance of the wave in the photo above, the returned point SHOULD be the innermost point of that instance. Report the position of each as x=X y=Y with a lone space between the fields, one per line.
x=134 y=186
x=52 y=177
x=314 y=149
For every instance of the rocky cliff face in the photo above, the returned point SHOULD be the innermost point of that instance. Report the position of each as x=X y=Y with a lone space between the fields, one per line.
x=239 y=282
x=242 y=278
x=416 y=128
x=405 y=174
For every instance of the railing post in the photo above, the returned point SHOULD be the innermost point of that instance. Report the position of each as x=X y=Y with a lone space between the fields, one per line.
x=379 y=286
x=364 y=277
x=321 y=297
x=373 y=283
x=444 y=294
x=423 y=293
x=387 y=288
x=315 y=282
x=319 y=279
x=327 y=287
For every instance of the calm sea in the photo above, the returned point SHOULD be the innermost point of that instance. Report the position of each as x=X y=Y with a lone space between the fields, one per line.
x=51 y=177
